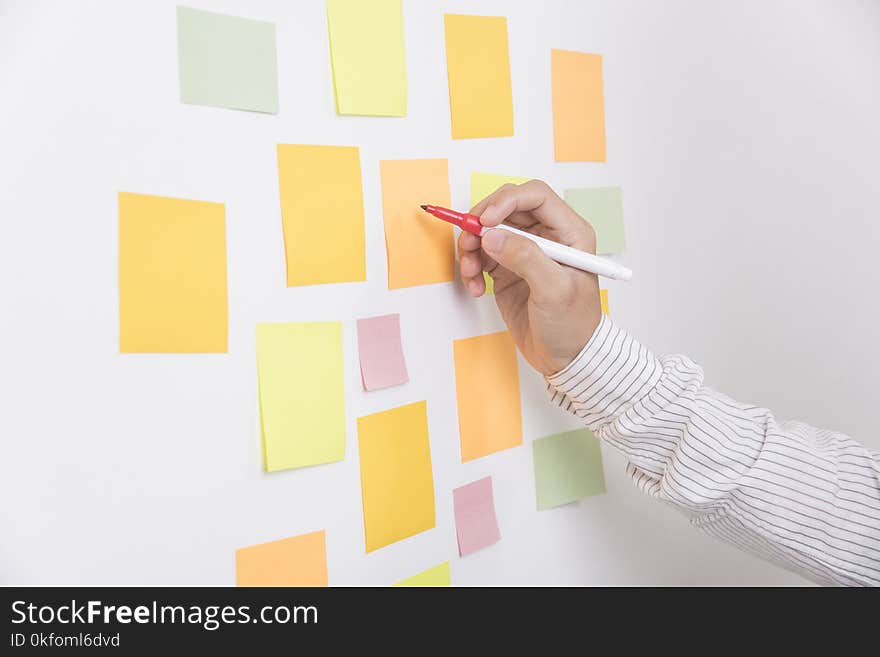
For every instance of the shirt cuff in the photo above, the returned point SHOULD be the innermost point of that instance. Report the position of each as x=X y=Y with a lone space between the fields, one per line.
x=560 y=380
x=611 y=372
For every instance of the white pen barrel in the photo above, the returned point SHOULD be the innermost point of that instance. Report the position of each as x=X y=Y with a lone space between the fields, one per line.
x=576 y=258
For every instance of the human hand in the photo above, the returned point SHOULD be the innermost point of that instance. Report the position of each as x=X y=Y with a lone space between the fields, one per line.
x=550 y=309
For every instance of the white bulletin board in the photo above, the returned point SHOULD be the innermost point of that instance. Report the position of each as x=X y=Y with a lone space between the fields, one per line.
x=745 y=138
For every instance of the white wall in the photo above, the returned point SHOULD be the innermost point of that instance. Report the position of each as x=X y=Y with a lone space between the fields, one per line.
x=744 y=135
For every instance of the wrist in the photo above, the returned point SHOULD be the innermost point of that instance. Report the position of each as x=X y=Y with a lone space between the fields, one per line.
x=558 y=365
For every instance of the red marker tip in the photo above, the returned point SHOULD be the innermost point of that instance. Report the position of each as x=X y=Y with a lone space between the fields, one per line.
x=465 y=221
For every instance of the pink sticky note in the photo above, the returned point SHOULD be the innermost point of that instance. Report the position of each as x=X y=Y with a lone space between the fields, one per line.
x=381 y=355
x=475 y=521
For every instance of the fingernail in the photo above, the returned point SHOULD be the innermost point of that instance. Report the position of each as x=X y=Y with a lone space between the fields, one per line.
x=493 y=241
x=473 y=288
x=488 y=213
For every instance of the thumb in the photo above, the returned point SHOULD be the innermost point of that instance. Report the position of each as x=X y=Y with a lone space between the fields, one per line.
x=524 y=258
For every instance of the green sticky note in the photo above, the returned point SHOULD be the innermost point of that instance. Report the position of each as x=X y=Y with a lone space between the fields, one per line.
x=436 y=576
x=483 y=184
x=367 y=55
x=226 y=61
x=301 y=393
x=568 y=467
x=603 y=208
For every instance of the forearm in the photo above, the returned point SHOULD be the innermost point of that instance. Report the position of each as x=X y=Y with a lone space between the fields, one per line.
x=807 y=498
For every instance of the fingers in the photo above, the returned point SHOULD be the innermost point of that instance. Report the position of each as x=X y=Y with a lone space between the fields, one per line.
x=480 y=207
x=468 y=242
x=514 y=204
x=534 y=196
x=471 y=261
x=471 y=265
x=535 y=207
x=523 y=257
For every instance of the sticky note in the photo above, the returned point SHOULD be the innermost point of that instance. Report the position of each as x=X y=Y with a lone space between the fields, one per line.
x=436 y=576
x=367 y=56
x=476 y=525
x=603 y=208
x=578 y=106
x=172 y=275
x=380 y=352
x=483 y=184
x=302 y=396
x=226 y=61
x=322 y=211
x=568 y=467
x=397 y=483
x=487 y=392
x=478 y=67
x=296 y=561
x=603 y=299
x=421 y=248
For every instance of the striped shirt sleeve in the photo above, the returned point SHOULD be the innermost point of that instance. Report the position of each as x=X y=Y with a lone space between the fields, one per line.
x=802 y=497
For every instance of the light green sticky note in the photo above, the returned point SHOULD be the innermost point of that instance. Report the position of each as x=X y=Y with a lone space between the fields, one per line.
x=436 y=576
x=483 y=184
x=368 y=57
x=568 y=467
x=603 y=208
x=226 y=61
x=301 y=393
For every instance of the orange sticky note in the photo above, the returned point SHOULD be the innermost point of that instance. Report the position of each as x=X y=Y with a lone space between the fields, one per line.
x=487 y=390
x=296 y=561
x=172 y=275
x=322 y=211
x=603 y=299
x=578 y=106
x=478 y=66
x=421 y=249
x=397 y=481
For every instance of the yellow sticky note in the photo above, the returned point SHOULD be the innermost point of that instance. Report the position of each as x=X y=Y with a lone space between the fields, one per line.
x=578 y=106
x=603 y=299
x=296 y=561
x=421 y=249
x=302 y=396
x=478 y=66
x=436 y=576
x=367 y=56
x=487 y=391
x=322 y=211
x=483 y=184
x=172 y=275
x=397 y=483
